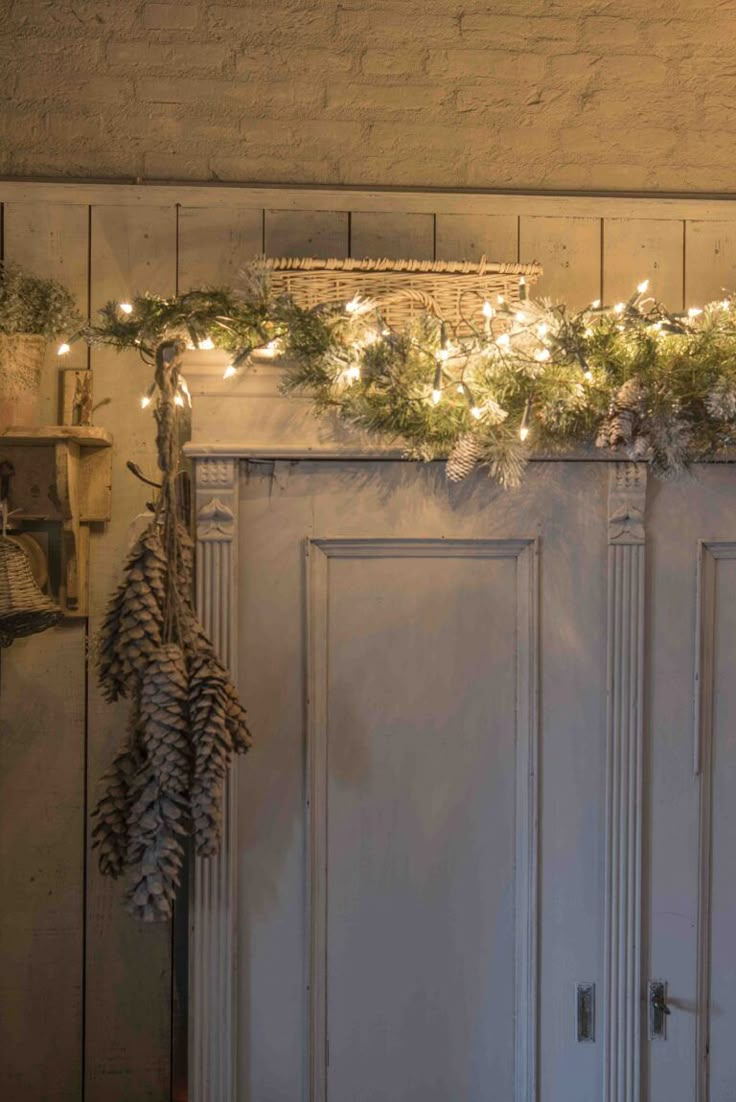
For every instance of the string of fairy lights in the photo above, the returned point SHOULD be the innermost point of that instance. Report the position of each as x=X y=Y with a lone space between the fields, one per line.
x=633 y=376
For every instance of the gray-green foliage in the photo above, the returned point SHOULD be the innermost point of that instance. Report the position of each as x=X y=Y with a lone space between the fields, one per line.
x=28 y=304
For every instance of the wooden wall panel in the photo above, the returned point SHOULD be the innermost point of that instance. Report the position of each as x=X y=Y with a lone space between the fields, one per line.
x=642 y=248
x=399 y=236
x=569 y=250
x=320 y=233
x=51 y=240
x=471 y=236
x=215 y=243
x=710 y=261
x=128 y=1035
x=42 y=735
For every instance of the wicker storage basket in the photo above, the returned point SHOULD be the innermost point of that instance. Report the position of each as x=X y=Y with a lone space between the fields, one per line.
x=454 y=290
x=21 y=361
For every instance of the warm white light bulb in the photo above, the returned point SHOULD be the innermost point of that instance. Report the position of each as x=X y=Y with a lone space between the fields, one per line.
x=443 y=354
x=126 y=307
x=500 y=300
x=523 y=433
x=230 y=370
x=206 y=345
x=543 y=329
x=595 y=304
x=436 y=396
x=63 y=349
x=643 y=287
x=503 y=340
x=588 y=374
x=353 y=372
x=353 y=306
x=488 y=311
x=145 y=401
x=619 y=307
x=726 y=304
x=178 y=400
x=520 y=315
x=694 y=312
x=476 y=412
x=542 y=354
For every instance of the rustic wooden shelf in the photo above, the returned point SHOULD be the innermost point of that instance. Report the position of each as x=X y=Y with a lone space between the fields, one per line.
x=86 y=436
x=62 y=480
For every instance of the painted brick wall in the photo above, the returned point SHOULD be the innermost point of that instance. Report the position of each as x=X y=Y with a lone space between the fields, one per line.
x=517 y=93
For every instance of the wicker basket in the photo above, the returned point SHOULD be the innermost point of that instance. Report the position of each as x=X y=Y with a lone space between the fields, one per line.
x=21 y=361
x=453 y=290
x=24 y=609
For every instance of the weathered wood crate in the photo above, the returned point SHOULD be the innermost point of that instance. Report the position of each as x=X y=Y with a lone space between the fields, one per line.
x=453 y=290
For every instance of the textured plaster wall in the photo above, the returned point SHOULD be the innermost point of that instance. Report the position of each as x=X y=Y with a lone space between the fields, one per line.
x=518 y=93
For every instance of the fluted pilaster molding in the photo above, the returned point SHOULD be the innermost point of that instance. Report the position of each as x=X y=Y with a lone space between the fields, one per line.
x=625 y=736
x=212 y=944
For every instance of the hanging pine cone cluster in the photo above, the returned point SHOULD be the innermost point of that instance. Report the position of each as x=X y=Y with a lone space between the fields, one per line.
x=186 y=720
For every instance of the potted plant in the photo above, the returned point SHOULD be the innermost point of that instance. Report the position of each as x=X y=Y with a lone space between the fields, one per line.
x=33 y=311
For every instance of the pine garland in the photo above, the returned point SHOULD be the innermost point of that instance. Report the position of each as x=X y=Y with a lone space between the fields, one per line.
x=535 y=379
x=167 y=780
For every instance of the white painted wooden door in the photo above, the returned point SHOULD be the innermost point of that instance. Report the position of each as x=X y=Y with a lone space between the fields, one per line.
x=690 y=853
x=421 y=823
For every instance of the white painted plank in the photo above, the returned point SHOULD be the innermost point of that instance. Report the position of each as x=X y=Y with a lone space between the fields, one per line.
x=569 y=250
x=51 y=240
x=399 y=236
x=637 y=249
x=128 y=964
x=41 y=865
x=471 y=236
x=710 y=261
x=318 y=233
x=572 y=205
x=215 y=243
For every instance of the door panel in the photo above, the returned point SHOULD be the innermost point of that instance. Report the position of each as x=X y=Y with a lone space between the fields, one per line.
x=428 y=668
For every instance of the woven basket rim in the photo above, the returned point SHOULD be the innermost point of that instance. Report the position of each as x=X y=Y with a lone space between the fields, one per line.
x=415 y=267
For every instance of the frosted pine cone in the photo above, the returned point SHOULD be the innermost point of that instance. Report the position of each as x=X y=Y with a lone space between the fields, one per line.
x=464 y=457
x=164 y=723
x=131 y=630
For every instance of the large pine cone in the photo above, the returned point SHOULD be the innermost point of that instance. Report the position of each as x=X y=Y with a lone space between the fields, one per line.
x=164 y=723
x=131 y=630
x=110 y=829
x=155 y=850
x=218 y=727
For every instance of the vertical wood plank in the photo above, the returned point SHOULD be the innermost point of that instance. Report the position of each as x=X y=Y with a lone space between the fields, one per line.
x=128 y=1030
x=215 y=243
x=51 y=240
x=569 y=250
x=471 y=236
x=318 y=233
x=643 y=248
x=41 y=865
x=398 y=236
x=710 y=261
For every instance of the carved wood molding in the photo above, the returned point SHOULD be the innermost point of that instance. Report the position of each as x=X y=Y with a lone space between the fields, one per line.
x=525 y=553
x=213 y=900
x=625 y=737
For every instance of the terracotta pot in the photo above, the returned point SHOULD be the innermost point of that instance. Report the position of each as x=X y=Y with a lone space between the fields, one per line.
x=21 y=361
